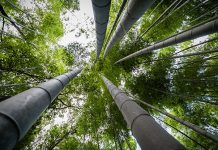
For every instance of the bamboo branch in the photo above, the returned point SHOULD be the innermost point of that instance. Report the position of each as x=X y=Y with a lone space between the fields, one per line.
x=3 y=97
x=25 y=73
x=187 y=96
x=12 y=85
x=14 y=36
x=67 y=106
x=12 y=22
x=61 y=139
x=3 y=25
x=14 y=6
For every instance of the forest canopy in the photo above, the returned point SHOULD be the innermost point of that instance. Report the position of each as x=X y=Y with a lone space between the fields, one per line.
x=39 y=40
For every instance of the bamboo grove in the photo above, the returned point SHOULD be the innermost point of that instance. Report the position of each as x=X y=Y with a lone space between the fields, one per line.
x=147 y=79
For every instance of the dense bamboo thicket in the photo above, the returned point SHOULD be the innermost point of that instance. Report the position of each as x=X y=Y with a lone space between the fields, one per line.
x=159 y=60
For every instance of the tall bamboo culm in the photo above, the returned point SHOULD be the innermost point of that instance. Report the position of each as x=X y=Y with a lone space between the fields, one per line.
x=148 y=133
x=20 y=112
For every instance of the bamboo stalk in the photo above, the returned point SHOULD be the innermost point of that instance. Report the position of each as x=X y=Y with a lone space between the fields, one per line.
x=160 y=17
x=201 y=30
x=116 y=20
x=134 y=10
x=18 y=113
x=187 y=55
x=147 y=132
x=101 y=15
